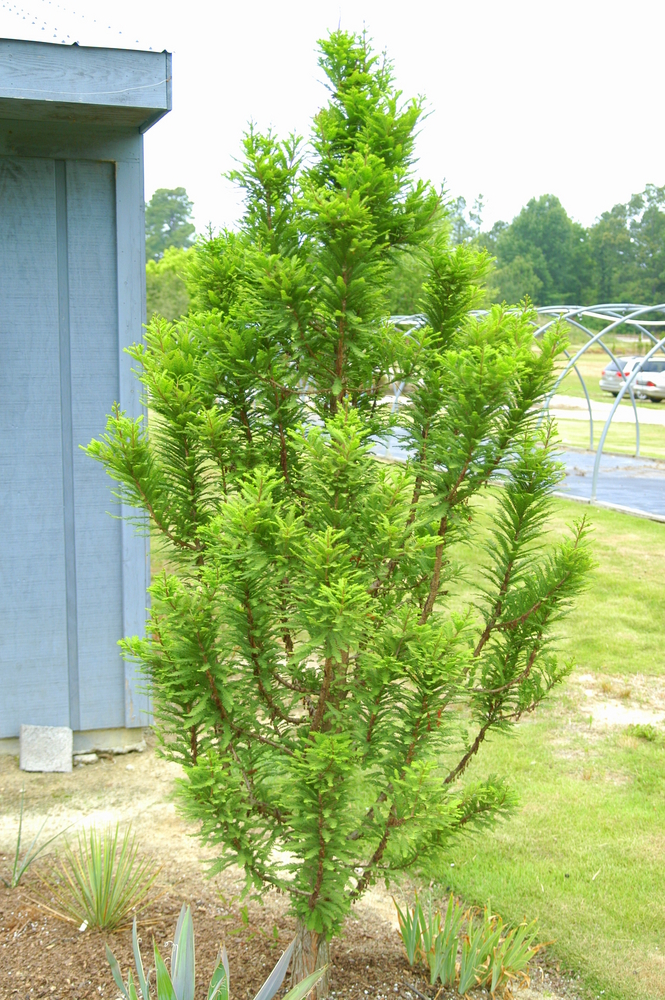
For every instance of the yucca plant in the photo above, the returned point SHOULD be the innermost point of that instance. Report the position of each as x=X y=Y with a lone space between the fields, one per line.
x=180 y=983
x=21 y=864
x=100 y=880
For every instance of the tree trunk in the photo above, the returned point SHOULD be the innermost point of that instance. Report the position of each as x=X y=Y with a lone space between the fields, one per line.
x=312 y=952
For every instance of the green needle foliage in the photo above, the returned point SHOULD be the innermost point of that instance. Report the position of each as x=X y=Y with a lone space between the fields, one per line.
x=311 y=671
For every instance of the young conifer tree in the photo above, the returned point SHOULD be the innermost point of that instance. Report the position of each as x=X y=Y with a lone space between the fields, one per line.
x=325 y=654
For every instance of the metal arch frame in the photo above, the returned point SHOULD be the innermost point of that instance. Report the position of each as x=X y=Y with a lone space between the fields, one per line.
x=580 y=326
x=593 y=339
x=627 y=385
x=619 y=314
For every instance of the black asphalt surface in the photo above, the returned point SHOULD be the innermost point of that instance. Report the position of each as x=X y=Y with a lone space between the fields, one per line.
x=629 y=482
x=638 y=483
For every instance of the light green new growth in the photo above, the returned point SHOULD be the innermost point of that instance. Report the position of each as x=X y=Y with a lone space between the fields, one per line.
x=308 y=671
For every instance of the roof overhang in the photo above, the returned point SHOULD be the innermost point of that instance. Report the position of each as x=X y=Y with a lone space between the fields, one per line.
x=40 y=81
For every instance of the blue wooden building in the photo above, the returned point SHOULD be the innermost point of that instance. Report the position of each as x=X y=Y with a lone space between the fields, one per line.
x=72 y=296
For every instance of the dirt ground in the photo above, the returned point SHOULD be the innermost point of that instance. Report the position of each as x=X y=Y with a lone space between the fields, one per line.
x=43 y=956
x=620 y=701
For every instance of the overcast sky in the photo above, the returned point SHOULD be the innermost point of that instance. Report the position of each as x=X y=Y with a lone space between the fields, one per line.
x=525 y=98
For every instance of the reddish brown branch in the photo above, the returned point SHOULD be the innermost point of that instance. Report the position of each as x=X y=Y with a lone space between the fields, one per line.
x=496 y=611
x=366 y=876
x=319 y=713
x=473 y=749
x=245 y=734
x=273 y=708
x=322 y=857
x=245 y=421
x=436 y=576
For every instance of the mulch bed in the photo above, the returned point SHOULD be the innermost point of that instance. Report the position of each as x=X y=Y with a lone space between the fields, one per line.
x=43 y=956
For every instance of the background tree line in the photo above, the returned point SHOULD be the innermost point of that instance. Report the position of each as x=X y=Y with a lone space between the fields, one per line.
x=542 y=253
x=545 y=254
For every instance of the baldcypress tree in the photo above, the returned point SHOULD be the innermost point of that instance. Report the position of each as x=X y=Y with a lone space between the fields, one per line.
x=317 y=667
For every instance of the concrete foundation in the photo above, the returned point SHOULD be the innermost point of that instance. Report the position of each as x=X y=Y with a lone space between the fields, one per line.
x=119 y=740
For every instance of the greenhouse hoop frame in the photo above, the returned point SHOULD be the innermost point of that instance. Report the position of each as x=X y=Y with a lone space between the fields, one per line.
x=615 y=316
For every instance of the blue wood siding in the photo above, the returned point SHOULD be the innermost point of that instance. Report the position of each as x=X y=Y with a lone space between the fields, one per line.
x=131 y=307
x=93 y=323
x=72 y=575
x=72 y=296
x=33 y=637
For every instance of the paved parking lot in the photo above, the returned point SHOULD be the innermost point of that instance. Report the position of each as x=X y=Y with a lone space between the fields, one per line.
x=629 y=482
x=638 y=483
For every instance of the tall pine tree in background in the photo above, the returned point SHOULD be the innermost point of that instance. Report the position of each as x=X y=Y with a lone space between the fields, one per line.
x=168 y=222
x=324 y=657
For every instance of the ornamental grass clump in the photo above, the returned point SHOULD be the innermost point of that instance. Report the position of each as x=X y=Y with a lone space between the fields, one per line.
x=100 y=880
x=464 y=950
x=22 y=863
x=335 y=637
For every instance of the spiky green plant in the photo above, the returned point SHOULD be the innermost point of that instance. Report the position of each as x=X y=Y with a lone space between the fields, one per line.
x=101 y=879
x=21 y=864
x=478 y=945
x=511 y=956
x=180 y=983
x=442 y=956
x=325 y=656
x=429 y=920
x=409 y=928
x=490 y=954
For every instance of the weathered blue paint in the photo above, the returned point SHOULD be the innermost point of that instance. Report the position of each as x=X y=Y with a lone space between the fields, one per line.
x=131 y=301
x=114 y=86
x=72 y=296
x=33 y=615
x=62 y=264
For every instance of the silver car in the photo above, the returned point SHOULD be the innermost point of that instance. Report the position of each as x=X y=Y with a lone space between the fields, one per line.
x=612 y=378
x=650 y=381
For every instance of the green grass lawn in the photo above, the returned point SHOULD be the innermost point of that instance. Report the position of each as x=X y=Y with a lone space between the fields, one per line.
x=585 y=851
x=618 y=626
x=620 y=438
